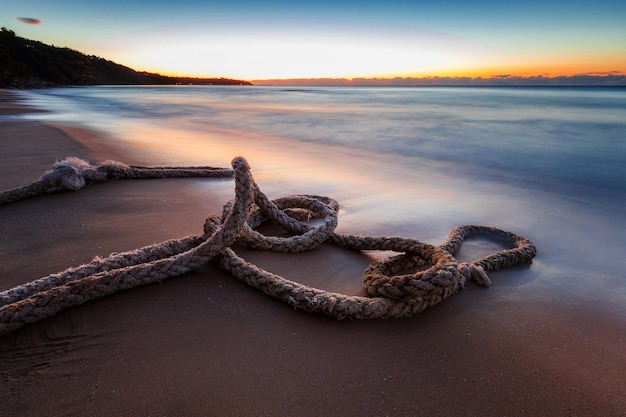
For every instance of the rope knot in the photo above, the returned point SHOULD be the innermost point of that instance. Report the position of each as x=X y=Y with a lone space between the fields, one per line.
x=65 y=175
x=113 y=169
x=474 y=272
x=72 y=174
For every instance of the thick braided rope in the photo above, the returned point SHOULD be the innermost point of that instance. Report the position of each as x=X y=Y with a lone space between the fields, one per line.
x=392 y=296
x=391 y=293
x=49 y=295
x=72 y=174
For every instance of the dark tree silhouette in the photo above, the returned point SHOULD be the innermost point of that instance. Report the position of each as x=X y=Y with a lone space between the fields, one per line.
x=26 y=63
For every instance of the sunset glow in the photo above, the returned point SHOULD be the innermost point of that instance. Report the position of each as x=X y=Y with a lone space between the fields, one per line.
x=326 y=40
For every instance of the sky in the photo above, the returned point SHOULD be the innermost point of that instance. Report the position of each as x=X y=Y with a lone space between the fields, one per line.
x=260 y=40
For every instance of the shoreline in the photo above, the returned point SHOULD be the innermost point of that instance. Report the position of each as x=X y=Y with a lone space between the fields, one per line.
x=206 y=344
x=38 y=145
x=10 y=104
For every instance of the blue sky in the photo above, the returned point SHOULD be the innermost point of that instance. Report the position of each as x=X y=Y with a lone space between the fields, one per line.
x=290 y=39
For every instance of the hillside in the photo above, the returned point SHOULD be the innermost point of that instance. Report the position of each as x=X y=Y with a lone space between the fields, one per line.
x=26 y=63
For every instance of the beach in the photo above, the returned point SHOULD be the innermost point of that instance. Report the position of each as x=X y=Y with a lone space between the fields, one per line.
x=206 y=344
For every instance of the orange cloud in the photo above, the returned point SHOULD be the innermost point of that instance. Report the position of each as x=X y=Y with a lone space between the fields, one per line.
x=29 y=20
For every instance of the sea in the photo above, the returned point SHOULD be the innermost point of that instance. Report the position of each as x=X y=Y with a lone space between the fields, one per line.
x=548 y=163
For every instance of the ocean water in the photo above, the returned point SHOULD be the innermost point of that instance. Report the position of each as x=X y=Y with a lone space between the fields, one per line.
x=546 y=163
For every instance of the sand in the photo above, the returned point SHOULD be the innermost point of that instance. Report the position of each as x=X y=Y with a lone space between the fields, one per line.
x=205 y=344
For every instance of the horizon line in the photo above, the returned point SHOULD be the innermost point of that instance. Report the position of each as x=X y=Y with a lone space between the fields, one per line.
x=611 y=78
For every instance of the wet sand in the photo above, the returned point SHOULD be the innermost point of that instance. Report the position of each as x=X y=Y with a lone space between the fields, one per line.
x=206 y=344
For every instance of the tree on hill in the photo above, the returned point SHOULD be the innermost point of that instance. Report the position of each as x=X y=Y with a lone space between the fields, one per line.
x=26 y=63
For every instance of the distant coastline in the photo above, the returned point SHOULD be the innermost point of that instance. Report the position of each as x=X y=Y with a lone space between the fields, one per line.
x=583 y=80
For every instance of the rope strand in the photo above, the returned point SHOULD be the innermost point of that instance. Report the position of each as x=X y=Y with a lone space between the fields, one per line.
x=72 y=174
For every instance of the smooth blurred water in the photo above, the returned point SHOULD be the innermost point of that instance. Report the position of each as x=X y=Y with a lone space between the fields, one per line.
x=547 y=163
x=565 y=138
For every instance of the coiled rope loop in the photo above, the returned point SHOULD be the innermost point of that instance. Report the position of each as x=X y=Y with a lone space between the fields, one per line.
x=392 y=294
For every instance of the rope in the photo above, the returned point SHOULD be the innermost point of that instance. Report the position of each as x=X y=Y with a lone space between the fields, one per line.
x=72 y=174
x=391 y=294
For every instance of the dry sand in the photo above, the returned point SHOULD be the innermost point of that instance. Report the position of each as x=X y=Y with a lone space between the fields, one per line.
x=205 y=344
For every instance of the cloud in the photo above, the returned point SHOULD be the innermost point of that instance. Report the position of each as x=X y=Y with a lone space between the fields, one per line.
x=29 y=20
